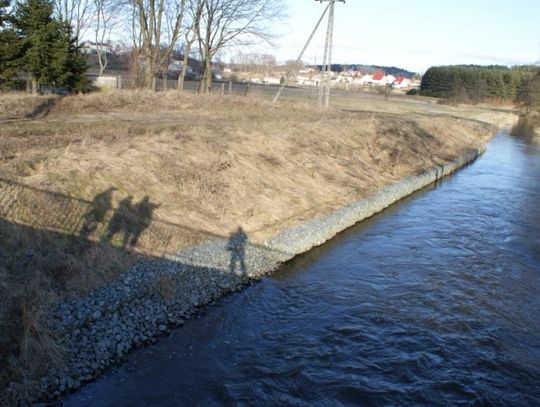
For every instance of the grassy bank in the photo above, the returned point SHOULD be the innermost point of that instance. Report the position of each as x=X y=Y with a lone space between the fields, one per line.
x=91 y=184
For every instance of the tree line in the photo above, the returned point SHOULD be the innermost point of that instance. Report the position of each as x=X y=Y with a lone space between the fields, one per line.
x=476 y=84
x=39 y=39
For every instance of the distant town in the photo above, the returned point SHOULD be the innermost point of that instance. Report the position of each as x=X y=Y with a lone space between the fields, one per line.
x=260 y=69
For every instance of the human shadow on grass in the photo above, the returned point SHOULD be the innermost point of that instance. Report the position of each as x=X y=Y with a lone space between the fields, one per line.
x=130 y=221
x=99 y=207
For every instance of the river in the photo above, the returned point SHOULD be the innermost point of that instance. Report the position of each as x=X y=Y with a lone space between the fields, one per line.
x=435 y=301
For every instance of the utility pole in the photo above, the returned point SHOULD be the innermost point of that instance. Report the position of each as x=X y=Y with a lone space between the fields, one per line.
x=327 y=53
x=326 y=71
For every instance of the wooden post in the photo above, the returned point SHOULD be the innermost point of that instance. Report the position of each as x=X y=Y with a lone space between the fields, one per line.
x=222 y=91
x=230 y=87
x=119 y=82
x=247 y=90
x=154 y=83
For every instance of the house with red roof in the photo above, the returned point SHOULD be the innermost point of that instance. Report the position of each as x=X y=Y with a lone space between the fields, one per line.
x=378 y=78
x=401 y=82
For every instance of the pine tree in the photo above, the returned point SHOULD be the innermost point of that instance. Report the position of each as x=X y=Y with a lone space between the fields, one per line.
x=51 y=56
x=10 y=48
x=69 y=65
x=33 y=20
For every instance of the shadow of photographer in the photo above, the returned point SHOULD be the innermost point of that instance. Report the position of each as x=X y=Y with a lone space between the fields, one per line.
x=237 y=246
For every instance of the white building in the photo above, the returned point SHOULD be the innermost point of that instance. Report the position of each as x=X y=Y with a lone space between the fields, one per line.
x=269 y=80
x=401 y=82
x=390 y=79
x=307 y=81
x=89 y=47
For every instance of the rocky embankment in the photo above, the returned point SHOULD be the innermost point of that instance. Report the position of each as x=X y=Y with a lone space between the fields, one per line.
x=155 y=296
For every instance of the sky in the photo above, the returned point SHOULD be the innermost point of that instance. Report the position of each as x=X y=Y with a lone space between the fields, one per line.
x=415 y=34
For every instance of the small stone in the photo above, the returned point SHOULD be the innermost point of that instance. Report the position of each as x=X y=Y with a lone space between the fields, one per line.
x=162 y=328
x=96 y=315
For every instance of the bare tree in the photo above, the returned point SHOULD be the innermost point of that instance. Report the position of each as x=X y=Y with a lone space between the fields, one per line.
x=385 y=90
x=78 y=13
x=480 y=91
x=225 y=23
x=530 y=94
x=254 y=62
x=105 y=21
x=458 y=92
x=194 y=11
x=150 y=28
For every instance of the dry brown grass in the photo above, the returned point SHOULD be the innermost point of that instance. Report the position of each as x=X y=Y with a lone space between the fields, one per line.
x=23 y=105
x=209 y=164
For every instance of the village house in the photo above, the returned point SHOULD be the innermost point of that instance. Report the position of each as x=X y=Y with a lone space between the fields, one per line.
x=308 y=71
x=269 y=80
x=401 y=82
x=378 y=79
x=343 y=77
x=307 y=81
x=389 y=79
x=89 y=47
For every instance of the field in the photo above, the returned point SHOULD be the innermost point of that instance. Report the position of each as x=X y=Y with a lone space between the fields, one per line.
x=90 y=184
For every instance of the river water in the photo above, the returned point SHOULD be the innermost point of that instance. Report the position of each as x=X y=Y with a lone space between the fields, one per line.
x=435 y=301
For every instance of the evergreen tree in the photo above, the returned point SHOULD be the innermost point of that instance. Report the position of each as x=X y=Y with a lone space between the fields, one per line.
x=51 y=56
x=10 y=48
x=34 y=22
x=478 y=82
x=69 y=65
